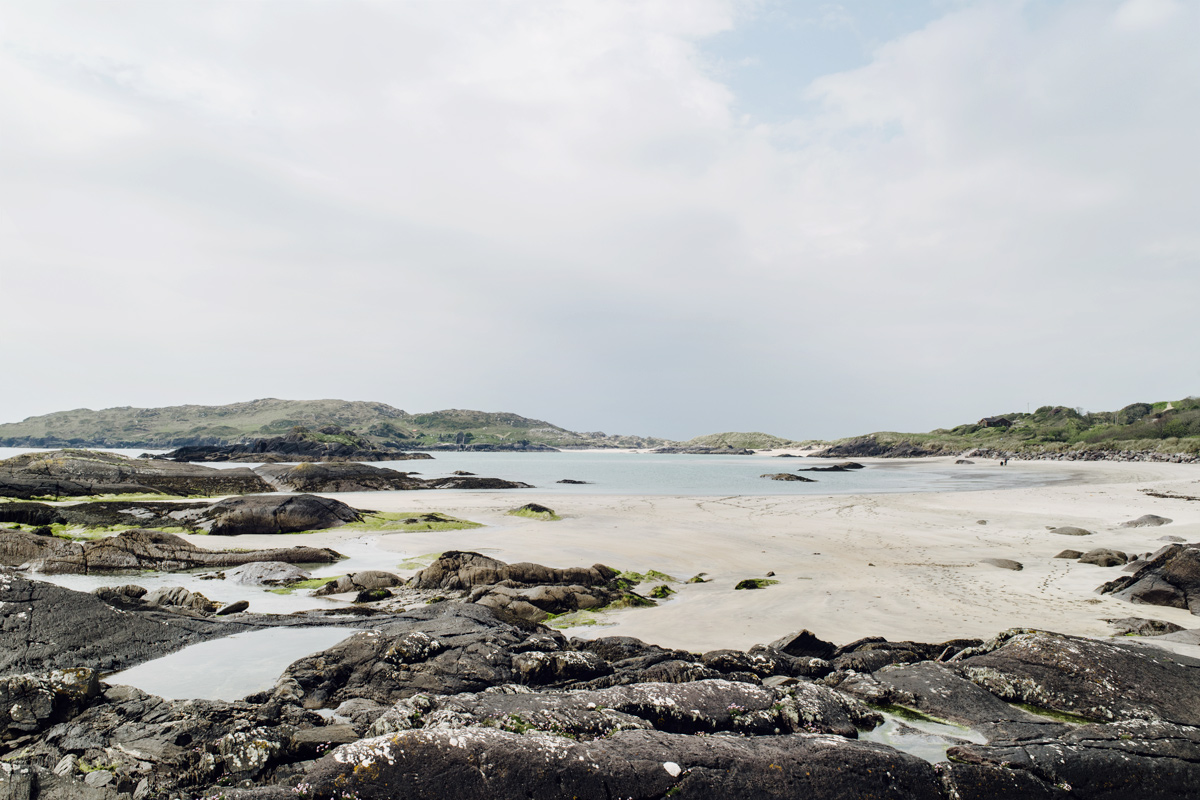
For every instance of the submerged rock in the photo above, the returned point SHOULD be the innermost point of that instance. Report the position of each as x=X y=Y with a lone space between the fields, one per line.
x=787 y=476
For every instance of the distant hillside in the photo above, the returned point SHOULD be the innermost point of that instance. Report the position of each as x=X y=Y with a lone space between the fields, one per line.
x=737 y=440
x=1161 y=429
x=378 y=423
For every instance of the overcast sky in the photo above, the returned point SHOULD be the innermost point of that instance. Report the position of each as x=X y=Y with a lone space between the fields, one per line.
x=660 y=217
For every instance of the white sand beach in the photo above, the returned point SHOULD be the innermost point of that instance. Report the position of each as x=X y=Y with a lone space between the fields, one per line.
x=903 y=566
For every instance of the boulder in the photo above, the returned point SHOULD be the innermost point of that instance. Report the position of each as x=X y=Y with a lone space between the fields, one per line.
x=259 y=514
x=1145 y=521
x=47 y=627
x=1103 y=557
x=153 y=550
x=1170 y=578
x=804 y=644
x=33 y=702
x=1071 y=530
x=458 y=570
x=267 y=573
x=365 y=580
x=1139 y=626
x=1003 y=563
x=787 y=476
x=1096 y=680
x=1149 y=760
x=1071 y=554
x=179 y=597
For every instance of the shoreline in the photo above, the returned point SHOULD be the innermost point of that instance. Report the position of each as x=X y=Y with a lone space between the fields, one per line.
x=906 y=566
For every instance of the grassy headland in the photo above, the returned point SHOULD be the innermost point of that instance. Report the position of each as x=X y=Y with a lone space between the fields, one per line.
x=1153 y=429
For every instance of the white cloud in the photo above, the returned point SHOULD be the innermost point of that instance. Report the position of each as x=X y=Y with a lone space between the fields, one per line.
x=433 y=201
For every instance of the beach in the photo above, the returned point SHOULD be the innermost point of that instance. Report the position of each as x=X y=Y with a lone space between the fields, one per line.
x=905 y=566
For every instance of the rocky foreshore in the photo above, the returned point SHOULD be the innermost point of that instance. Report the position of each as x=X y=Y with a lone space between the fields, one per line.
x=871 y=447
x=82 y=473
x=475 y=699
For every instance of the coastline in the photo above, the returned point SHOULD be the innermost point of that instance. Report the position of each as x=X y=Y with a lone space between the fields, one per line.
x=902 y=566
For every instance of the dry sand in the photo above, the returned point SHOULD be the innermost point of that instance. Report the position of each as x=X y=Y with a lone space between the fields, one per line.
x=902 y=566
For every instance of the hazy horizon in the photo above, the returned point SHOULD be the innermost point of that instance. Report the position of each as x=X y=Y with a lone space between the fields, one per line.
x=809 y=219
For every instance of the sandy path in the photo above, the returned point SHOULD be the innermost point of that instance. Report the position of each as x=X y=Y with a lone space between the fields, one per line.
x=903 y=566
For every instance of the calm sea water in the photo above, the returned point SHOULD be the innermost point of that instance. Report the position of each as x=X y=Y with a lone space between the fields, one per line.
x=713 y=475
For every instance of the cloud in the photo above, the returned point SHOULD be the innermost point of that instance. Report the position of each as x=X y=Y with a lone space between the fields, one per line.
x=554 y=208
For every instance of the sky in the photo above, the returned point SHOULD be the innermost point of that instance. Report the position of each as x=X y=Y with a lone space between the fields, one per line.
x=648 y=217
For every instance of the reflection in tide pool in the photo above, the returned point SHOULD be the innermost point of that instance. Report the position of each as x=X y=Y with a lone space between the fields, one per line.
x=229 y=668
x=922 y=738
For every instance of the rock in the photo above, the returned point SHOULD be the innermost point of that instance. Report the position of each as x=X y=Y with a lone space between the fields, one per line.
x=1071 y=554
x=964 y=461
x=661 y=592
x=938 y=690
x=632 y=763
x=234 y=608
x=1070 y=530
x=33 y=702
x=1171 y=578
x=573 y=482
x=362 y=581
x=1171 y=539
x=265 y=514
x=755 y=583
x=489 y=484
x=300 y=445
x=70 y=473
x=698 y=578
x=457 y=570
x=180 y=598
x=1145 y=521
x=1139 y=626
x=704 y=451
x=48 y=627
x=267 y=573
x=337 y=477
x=1151 y=760
x=1003 y=563
x=787 y=476
x=1102 y=681
x=372 y=595
x=804 y=644
x=535 y=510
x=461 y=472
x=153 y=550
x=1103 y=557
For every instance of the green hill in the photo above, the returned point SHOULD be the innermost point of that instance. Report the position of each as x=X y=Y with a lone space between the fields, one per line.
x=1162 y=427
x=378 y=423
x=737 y=440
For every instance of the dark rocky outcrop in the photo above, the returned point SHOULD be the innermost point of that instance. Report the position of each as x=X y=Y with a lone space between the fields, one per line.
x=338 y=477
x=870 y=447
x=705 y=451
x=1171 y=577
x=139 y=550
x=274 y=514
x=787 y=476
x=1140 y=626
x=454 y=701
x=329 y=444
x=845 y=466
x=73 y=473
x=1101 y=681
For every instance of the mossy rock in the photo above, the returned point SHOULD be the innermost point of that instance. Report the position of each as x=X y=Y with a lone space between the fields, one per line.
x=372 y=595
x=661 y=592
x=755 y=583
x=698 y=578
x=535 y=511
